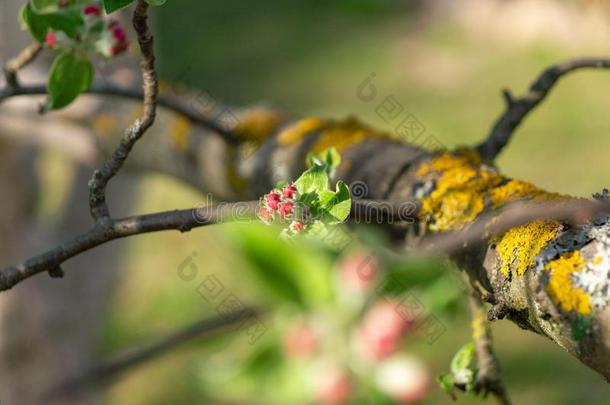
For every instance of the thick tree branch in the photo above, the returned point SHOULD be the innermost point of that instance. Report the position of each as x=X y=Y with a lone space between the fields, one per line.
x=518 y=108
x=13 y=66
x=101 y=177
x=132 y=358
x=173 y=103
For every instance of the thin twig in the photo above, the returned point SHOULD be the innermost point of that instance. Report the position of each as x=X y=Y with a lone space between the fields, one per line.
x=181 y=220
x=173 y=103
x=13 y=66
x=518 y=108
x=135 y=357
x=105 y=231
x=101 y=177
x=488 y=378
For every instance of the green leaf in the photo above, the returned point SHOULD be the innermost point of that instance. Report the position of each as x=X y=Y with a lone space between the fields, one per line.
x=113 y=5
x=39 y=23
x=298 y=274
x=70 y=76
x=462 y=358
x=446 y=382
x=336 y=205
x=313 y=179
x=156 y=2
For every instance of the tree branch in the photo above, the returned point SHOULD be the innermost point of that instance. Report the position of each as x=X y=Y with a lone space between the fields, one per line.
x=173 y=103
x=518 y=108
x=137 y=356
x=488 y=379
x=13 y=66
x=101 y=177
x=105 y=231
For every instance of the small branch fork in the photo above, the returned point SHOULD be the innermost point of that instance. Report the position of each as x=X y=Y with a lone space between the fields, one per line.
x=101 y=177
x=518 y=108
x=19 y=62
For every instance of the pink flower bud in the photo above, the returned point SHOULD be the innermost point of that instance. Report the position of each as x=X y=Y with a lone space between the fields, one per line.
x=289 y=191
x=273 y=200
x=119 y=34
x=301 y=341
x=404 y=378
x=296 y=226
x=358 y=272
x=50 y=40
x=286 y=209
x=92 y=10
x=382 y=329
x=333 y=387
x=265 y=215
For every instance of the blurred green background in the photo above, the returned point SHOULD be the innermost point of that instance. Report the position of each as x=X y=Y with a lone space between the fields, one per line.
x=446 y=62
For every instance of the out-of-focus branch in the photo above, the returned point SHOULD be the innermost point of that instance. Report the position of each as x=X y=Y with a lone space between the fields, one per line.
x=488 y=378
x=13 y=66
x=132 y=358
x=105 y=231
x=518 y=108
x=174 y=103
x=101 y=177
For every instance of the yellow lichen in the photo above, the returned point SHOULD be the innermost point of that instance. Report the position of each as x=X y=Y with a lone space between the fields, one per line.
x=478 y=324
x=180 y=130
x=257 y=123
x=560 y=286
x=519 y=246
x=296 y=131
x=516 y=189
x=344 y=134
x=597 y=260
x=460 y=190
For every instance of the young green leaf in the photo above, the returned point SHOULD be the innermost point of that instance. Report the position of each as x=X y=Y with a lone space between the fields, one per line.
x=39 y=23
x=462 y=358
x=113 y=5
x=336 y=205
x=70 y=76
x=313 y=179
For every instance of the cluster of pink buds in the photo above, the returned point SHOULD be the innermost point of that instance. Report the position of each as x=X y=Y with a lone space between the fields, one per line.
x=119 y=38
x=281 y=204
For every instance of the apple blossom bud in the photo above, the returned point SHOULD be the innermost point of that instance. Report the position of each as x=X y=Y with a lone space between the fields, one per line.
x=358 y=272
x=333 y=387
x=285 y=209
x=92 y=10
x=382 y=329
x=296 y=226
x=301 y=341
x=273 y=200
x=404 y=378
x=265 y=215
x=289 y=191
x=50 y=40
